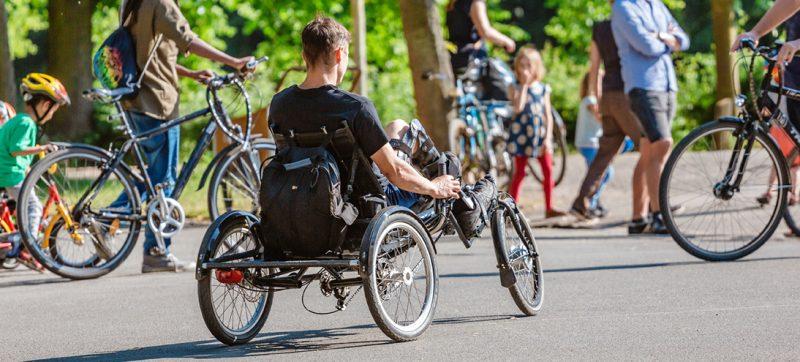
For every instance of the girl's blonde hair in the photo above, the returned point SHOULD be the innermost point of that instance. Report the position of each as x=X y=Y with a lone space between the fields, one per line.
x=534 y=57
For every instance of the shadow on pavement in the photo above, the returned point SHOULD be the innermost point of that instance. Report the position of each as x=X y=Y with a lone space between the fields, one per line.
x=266 y=344
x=620 y=267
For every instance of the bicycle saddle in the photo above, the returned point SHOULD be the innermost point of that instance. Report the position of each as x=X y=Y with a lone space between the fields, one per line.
x=98 y=94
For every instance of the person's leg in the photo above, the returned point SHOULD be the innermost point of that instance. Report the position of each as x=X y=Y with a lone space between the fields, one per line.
x=589 y=154
x=610 y=144
x=546 y=162
x=33 y=209
x=655 y=110
x=640 y=196
x=161 y=155
x=520 y=164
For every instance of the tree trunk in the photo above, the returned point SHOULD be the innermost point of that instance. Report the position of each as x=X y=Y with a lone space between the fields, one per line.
x=427 y=53
x=722 y=26
x=8 y=89
x=724 y=33
x=69 y=54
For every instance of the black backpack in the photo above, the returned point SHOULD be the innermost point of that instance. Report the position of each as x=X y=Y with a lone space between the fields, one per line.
x=303 y=212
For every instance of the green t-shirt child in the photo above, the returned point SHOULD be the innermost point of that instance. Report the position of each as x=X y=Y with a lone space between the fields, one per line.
x=18 y=134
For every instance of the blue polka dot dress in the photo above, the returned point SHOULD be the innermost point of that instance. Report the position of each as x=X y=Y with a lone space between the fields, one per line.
x=527 y=132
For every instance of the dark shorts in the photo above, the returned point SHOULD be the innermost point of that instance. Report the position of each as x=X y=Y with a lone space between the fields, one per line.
x=655 y=111
x=399 y=197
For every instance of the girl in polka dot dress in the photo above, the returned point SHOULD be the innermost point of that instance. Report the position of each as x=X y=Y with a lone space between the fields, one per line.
x=531 y=133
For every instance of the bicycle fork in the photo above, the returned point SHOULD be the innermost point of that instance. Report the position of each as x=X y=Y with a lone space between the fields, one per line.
x=730 y=184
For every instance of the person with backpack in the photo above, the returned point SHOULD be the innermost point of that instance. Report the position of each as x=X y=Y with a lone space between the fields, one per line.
x=161 y=24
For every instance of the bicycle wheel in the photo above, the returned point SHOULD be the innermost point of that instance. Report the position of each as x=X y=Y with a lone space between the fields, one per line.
x=792 y=214
x=237 y=179
x=560 y=154
x=233 y=309
x=462 y=145
x=79 y=244
x=513 y=235
x=399 y=273
x=709 y=219
x=504 y=165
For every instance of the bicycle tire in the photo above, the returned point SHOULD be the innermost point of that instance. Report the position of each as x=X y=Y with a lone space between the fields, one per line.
x=46 y=257
x=528 y=304
x=681 y=238
x=788 y=217
x=223 y=167
x=560 y=154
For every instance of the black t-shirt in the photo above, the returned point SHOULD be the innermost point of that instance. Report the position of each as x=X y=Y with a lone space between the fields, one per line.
x=306 y=110
x=463 y=32
x=604 y=38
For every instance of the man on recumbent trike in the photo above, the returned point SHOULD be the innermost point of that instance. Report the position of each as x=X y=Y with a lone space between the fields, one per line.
x=318 y=102
x=341 y=196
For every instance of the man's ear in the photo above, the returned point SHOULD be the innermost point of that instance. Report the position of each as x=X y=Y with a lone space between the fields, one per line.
x=338 y=54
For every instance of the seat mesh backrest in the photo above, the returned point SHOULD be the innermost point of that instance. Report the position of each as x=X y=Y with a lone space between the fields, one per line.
x=343 y=146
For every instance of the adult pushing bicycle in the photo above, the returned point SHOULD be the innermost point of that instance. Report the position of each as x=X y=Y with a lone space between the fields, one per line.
x=101 y=194
x=719 y=172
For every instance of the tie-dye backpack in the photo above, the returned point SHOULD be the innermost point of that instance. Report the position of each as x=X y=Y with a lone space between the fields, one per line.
x=114 y=64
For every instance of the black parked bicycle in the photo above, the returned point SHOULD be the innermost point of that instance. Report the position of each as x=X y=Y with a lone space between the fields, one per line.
x=102 y=207
x=719 y=172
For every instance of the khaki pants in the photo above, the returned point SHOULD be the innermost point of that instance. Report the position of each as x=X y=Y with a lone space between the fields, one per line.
x=618 y=121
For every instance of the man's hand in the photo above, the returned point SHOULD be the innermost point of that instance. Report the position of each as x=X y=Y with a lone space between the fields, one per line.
x=737 y=43
x=241 y=64
x=670 y=40
x=446 y=187
x=510 y=45
x=202 y=76
x=787 y=52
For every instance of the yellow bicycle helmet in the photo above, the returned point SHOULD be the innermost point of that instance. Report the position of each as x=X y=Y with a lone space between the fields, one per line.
x=45 y=85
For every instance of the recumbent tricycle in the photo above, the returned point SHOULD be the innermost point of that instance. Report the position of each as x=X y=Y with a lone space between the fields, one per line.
x=387 y=250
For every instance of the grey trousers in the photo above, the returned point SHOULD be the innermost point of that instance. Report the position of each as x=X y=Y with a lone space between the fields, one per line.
x=33 y=209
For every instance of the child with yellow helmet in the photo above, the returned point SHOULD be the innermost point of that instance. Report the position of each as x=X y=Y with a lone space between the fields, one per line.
x=43 y=95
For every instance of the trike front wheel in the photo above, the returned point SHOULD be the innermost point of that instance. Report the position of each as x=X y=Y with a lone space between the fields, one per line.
x=515 y=241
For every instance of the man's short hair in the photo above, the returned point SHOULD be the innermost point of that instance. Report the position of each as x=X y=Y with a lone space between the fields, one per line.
x=321 y=37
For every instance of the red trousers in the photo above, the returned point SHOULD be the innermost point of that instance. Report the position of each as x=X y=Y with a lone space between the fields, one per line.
x=520 y=166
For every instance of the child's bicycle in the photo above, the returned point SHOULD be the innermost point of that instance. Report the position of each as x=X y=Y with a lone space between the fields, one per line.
x=96 y=211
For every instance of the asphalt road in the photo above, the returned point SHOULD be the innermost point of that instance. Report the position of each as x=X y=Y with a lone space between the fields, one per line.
x=607 y=296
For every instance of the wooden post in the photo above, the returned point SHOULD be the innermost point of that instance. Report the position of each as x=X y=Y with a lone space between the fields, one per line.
x=724 y=33
x=360 y=44
x=427 y=53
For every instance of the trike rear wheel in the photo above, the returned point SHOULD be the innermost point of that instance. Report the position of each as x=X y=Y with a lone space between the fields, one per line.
x=233 y=309
x=399 y=273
